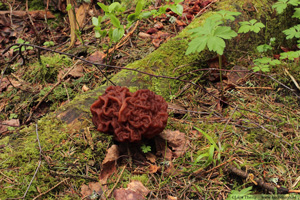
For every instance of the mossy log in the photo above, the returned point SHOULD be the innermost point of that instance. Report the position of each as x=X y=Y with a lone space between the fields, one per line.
x=68 y=144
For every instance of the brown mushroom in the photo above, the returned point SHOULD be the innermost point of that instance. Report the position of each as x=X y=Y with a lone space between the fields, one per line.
x=130 y=116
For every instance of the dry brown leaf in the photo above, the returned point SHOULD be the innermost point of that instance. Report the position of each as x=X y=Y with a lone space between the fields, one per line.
x=85 y=88
x=144 y=35
x=177 y=141
x=109 y=163
x=81 y=14
x=151 y=157
x=234 y=77
x=162 y=149
x=4 y=83
x=91 y=189
x=159 y=25
x=153 y=169
x=138 y=187
x=97 y=57
x=76 y=72
x=171 y=198
x=127 y=194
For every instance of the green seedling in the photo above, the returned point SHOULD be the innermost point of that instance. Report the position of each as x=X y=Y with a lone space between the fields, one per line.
x=145 y=148
x=49 y=44
x=266 y=47
x=251 y=25
x=97 y=27
x=235 y=194
x=281 y=5
x=23 y=48
x=263 y=64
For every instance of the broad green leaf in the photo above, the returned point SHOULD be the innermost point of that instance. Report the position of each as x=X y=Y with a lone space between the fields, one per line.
x=225 y=15
x=294 y=2
x=224 y=32
x=114 y=7
x=197 y=45
x=293 y=32
x=139 y=7
x=178 y=9
x=296 y=13
x=244 y=29
x=104 y=7
x=216 y=44
x=280 y=6
x=253 y=21
x=178 y=1
x=263 y=48
x=200 y=157
x=132 y=17
x=95 y=21
x=114 y=20
x=147 y=14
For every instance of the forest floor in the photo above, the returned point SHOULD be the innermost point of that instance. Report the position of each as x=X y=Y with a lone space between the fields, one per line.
x=240 y=137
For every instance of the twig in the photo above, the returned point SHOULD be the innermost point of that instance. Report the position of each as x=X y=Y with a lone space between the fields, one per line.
x=50 y=189
x=73 y=176
x=260 y=182
x=115 y=185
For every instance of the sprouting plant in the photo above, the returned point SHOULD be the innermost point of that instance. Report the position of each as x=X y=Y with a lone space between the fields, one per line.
x=263 y=64
x=281 y=5
x=212 y=35
x=97 y=27
x=49 y=43
x=21 y=41
x=266 y=47
x=146 y=148
x=235 y=194
x=251 y=25
x=211 y=151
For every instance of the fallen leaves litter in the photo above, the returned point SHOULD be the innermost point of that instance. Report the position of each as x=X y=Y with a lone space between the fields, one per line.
x=135 y=191
x=109 y=163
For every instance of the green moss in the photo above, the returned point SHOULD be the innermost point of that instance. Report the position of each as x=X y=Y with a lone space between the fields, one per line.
x=48 y=70
x=61 y=153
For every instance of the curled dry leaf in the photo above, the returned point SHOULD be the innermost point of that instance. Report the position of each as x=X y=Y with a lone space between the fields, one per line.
x=151 y=157
x=138 y=187
x=144 y=35
x=134 y=191
x=85 y=88
x=177 y=141
x=97 y=57
x=109 y=163
x=158 y=25
x=94 y=189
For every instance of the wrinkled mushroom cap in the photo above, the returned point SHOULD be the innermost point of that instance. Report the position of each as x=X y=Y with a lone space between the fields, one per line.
x=129 y=116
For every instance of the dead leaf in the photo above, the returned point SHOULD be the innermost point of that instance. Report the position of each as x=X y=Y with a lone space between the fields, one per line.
x=81 y=14
x=177 y=141
x=138 y=187
x=162 y=149
x=8 y=123
x=94 y=189
x=4 y=83
x=234 y=76
x=176 y=108
x=97 y=57
x=159 y=25
x=144 y=35
x=85 y=88
x=76 y=72
x=152 y=30
x=153 y=169
x=156 y=42
x=151 y=157
x=109 y=163
x=127 y=194
x=171 y=198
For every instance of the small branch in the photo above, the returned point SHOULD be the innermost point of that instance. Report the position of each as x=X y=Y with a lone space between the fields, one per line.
x=50 y=189
x=115 y=185
x=259 y=182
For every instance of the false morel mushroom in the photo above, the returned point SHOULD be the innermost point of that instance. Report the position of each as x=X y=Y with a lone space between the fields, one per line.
x=129 y=116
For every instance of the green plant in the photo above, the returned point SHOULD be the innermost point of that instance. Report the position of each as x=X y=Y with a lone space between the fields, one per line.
x=23 y=48
x=145 y=148
x=263 y=64
x=281 y=5
x=49 y=43
x=251 y=25
x=235 y=194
